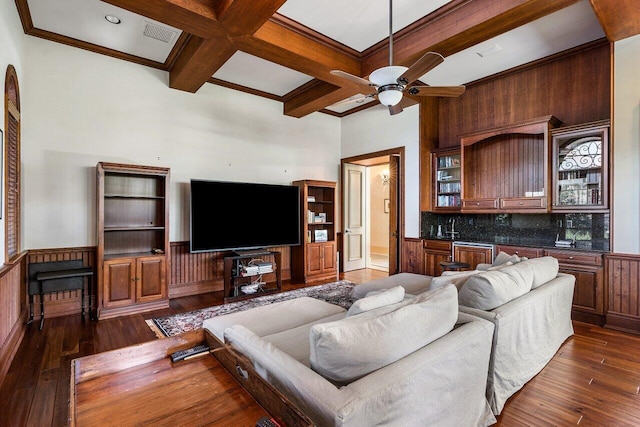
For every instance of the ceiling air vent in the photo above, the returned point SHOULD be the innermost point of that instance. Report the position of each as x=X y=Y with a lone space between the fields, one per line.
x=159 y=33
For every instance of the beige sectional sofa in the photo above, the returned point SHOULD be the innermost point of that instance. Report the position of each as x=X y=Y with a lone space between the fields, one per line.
x=527 y=300
x=388 y=360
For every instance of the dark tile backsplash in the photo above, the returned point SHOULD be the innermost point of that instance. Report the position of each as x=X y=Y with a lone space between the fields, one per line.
x=590 y=231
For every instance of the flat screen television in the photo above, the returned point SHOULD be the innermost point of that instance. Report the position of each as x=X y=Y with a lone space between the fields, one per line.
x=241 y=215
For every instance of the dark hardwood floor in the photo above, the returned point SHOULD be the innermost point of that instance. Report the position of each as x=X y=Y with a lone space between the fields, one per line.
x=593 y=380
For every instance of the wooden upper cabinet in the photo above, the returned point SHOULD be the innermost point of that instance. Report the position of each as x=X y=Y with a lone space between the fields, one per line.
x=580 y=167
x=506 y=169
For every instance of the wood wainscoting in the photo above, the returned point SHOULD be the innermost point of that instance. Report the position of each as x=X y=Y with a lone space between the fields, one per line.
x=201 y=272
x=13 y=310
x=65 y=302
x=622 y=276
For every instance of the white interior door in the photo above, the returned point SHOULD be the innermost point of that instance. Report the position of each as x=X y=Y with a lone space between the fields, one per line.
x=354 y=251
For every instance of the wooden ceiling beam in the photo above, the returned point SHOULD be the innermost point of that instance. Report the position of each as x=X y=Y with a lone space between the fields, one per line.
x=198 y=61
x=315 y=97
x=198 y=17
x=245 y=17
x=619 y=18
x=468 y=24
x=291 y=49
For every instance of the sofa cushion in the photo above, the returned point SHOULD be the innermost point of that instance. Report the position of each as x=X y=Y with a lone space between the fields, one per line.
x=457 y=278
x=349 y=349
x=272 y=318
x=544 y=269
x=491 y=289
x=411 y=282
x=375 y=300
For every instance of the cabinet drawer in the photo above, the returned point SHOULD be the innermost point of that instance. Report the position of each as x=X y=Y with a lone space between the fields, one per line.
x=524 y=203
x=520 y=251
x=437 y=245
x=575 y=257
x=480 y=204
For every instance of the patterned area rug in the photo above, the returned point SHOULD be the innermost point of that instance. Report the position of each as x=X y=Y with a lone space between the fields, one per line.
x=338 y=293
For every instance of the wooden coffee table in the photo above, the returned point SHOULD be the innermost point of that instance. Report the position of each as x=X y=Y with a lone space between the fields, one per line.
x=139 y=385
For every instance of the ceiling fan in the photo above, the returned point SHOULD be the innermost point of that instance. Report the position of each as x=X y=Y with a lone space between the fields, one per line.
x=389 y=83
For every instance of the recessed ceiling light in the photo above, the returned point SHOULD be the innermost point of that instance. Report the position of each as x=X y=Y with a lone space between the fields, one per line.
x=113 y=19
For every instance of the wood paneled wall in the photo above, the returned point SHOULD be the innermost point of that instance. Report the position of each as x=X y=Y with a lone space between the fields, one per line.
x=622 y=277
x=13 y=311
x=66 y=302
x=197 y=273
x=574 y=86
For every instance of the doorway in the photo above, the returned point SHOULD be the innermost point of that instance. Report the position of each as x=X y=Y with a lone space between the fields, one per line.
x=371 y=211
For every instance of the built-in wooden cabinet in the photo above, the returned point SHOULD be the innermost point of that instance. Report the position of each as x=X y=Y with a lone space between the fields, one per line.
x=506 y=169
x=435 y=252
x=589 y=292
x=316 y=257
x=132 y=238
x=447 y=180
x=473 y=255
x=521 y=251
x=580 y=167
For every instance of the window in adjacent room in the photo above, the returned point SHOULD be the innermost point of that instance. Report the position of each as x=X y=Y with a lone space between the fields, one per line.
x=12 y=164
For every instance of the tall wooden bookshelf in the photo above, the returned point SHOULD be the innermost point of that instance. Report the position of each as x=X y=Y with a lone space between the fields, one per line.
x=316 y=257
x=132 y=238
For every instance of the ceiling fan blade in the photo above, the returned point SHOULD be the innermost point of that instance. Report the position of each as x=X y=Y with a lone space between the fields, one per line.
x=351 y=101
x=427 y=62
x=444 y=91
x=395 y=109
x=365 y=85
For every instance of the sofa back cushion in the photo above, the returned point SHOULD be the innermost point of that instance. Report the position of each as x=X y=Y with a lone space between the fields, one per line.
x=491 y=289
x=544 y=269
x=375 y=300
x=411 y=282
x=348 y=349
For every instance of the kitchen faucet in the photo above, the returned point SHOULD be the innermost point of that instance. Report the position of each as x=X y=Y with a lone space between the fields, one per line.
x=453 y=231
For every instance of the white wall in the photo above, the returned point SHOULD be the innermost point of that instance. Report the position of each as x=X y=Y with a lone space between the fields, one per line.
x=11 y=53
x=80 y=108
x=626 y=151
x=374 y=130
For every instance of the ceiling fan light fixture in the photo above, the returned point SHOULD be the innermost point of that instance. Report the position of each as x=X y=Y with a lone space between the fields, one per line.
x=390 y=96
x=387 y=75
x=386 y=79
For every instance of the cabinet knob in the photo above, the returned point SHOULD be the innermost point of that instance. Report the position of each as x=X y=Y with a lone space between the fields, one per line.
x=477 y=203
x=521 y=203
x=570 y=257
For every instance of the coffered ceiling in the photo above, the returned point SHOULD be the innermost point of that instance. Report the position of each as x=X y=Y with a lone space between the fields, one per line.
x=285 y=49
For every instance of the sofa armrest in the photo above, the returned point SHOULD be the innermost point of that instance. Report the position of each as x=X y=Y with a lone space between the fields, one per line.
x=310 y=392
x=529 y=330
x=450 y=371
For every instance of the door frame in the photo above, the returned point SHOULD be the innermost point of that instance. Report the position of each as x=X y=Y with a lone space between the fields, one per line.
x=372 y=159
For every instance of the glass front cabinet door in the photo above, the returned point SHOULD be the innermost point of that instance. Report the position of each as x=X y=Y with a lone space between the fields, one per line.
x=446 y=166
x=580 y=167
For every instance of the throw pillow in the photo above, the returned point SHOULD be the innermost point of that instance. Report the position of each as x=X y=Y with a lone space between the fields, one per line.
x=503 y=258
x=491 y=289
x=348 y=349
x=376 y=300
x=458 y=279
